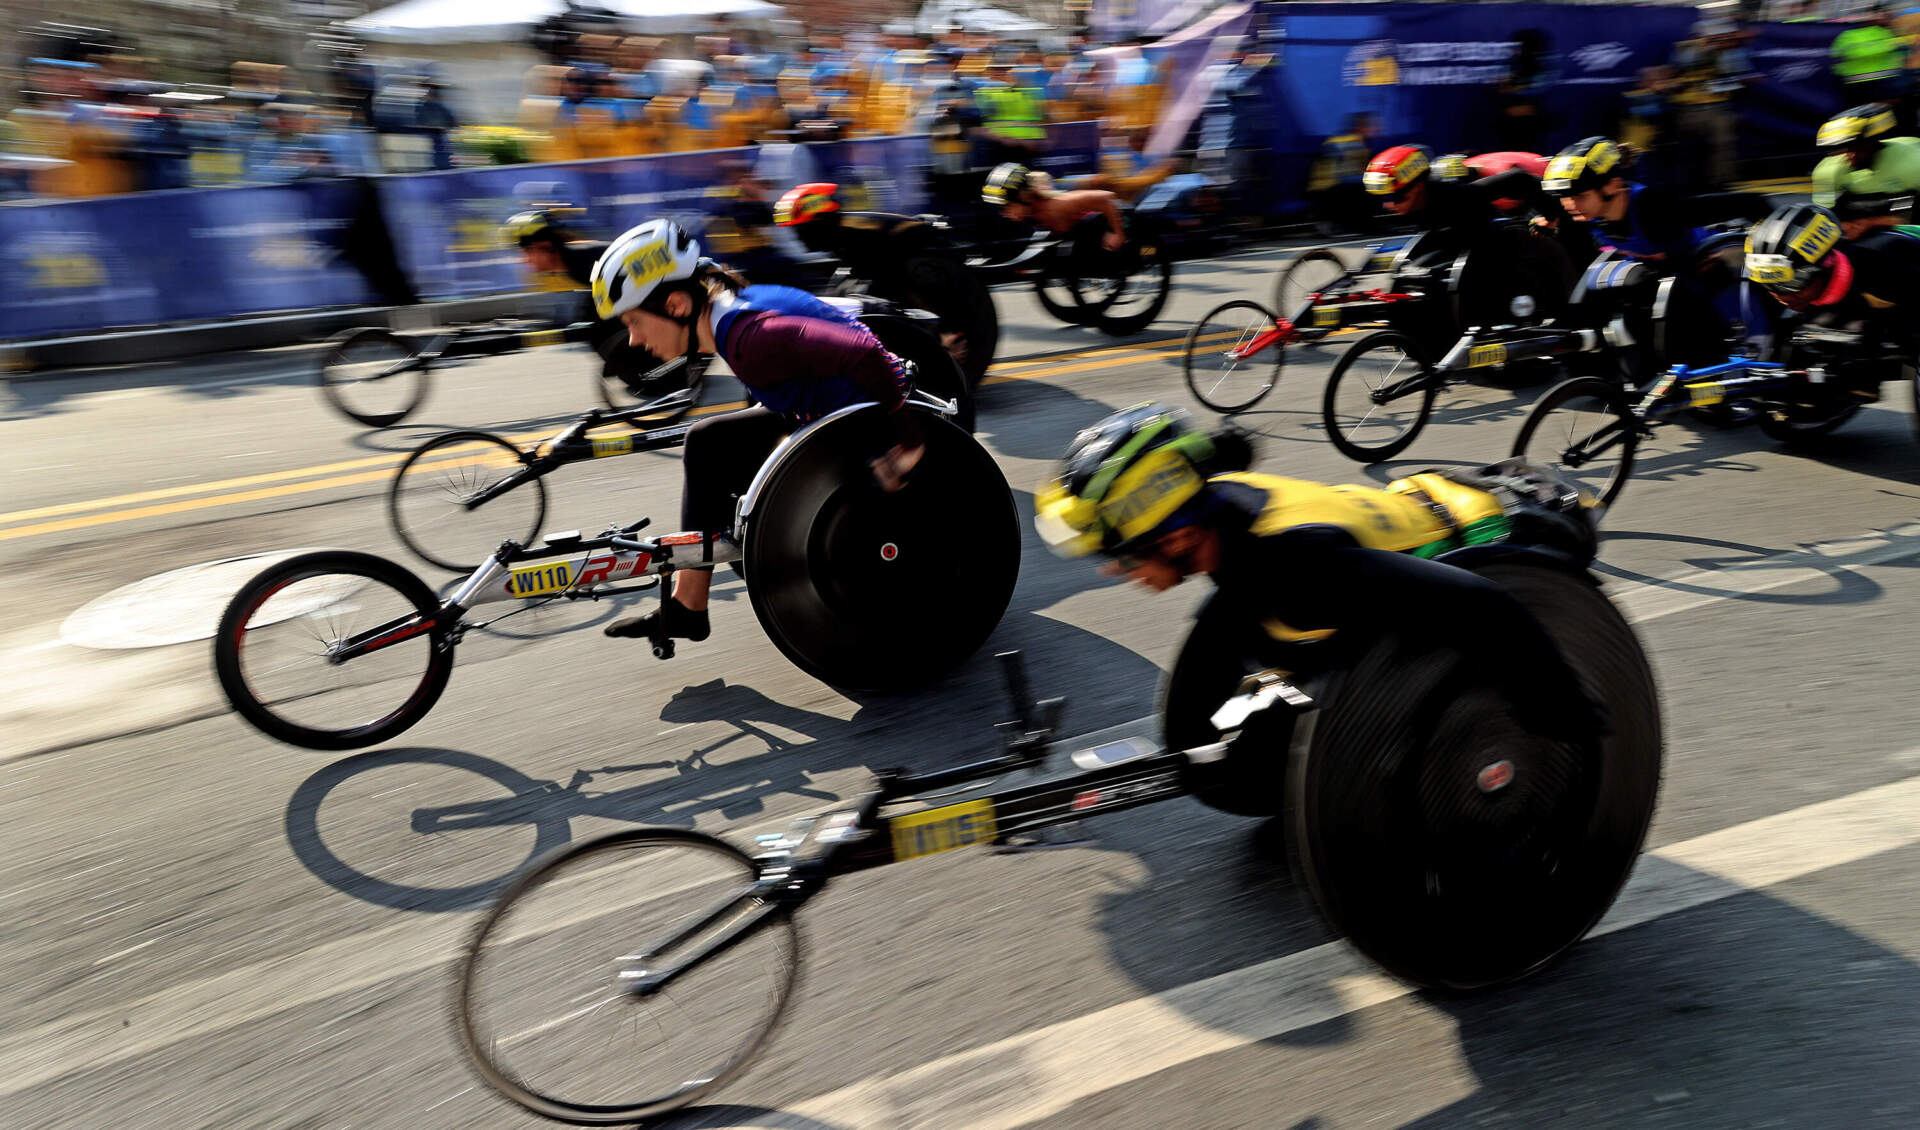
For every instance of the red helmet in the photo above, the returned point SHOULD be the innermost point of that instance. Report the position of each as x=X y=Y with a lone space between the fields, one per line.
x=803 y=202
x=1392 y=170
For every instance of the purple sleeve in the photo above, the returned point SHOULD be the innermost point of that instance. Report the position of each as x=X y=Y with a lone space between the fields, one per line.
x=807 y=367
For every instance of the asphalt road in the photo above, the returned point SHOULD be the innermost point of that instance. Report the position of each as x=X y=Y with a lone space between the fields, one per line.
x=206 y=928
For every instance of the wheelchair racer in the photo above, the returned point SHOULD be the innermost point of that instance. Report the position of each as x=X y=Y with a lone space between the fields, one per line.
x=1863 y=156
x=549 y=247
x=1293 y=562
x=798 y=357
x=1025 y=196
x=1851 y=268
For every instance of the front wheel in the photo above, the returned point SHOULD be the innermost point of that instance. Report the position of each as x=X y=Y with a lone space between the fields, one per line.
x=1226 y=362
x=1585 y=429
x=630 y=378
x=1379 y=397
x=552 y=1012
x=448 y=504
x=373 y=376
x=1315 y=273
x=277 y=650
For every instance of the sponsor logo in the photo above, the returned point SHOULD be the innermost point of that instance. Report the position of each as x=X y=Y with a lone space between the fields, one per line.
x=1372 y=63
x=1601 y=56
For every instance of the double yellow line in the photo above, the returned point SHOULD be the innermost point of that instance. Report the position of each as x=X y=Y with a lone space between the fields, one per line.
x=374 y=468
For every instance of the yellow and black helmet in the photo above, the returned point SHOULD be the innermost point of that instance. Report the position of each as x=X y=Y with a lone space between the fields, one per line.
x=1006 y=184
x=1787 y=252
x=1451 y=168
x=1584 y=165
x=1850 y=127
x=523 y=228
x=1121 y=480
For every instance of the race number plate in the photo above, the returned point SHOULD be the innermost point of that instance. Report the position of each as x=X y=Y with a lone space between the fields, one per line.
x=538 y=580
x=942 y=829
x=612 y=445
x=1326 y=316
x=1481 y=356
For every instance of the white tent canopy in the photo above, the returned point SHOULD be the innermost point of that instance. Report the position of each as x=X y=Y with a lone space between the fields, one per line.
x=487 y=21
x=974 y=16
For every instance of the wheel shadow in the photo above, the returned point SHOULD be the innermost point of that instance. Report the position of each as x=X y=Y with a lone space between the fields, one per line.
x=1899 y=548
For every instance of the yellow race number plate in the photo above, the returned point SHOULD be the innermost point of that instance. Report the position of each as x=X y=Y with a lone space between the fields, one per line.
x=1326 y=315
x=1481 y=356
x=537 y=580
x=612 y=445
x=942 y=829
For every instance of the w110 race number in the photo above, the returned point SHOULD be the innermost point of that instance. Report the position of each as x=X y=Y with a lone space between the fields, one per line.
x=536 y=580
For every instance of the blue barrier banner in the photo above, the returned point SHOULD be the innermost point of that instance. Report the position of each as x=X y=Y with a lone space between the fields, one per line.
x=1779 y=117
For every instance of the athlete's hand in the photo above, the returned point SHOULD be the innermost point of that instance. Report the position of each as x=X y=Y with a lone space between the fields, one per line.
x=1113 y=241
x=891 y=469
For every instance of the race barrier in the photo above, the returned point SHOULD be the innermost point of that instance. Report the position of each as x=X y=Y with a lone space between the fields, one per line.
x=158 y=258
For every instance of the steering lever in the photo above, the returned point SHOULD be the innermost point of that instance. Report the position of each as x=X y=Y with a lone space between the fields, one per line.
x=1029 y=733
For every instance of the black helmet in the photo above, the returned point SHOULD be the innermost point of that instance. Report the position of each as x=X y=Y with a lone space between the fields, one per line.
x=523 y=228
x=1787 y=251
x=1850 y=127
x=1006 y=184
x=1584 y=165
x=1121 y=480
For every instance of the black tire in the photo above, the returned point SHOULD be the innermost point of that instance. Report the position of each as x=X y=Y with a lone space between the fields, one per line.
x=1130 y=290
x=1357 y=427
x=1057 y=297
x=943 y=285
x=843 y=572
x=340 y=573
x=353 y=366
x=938 y=374
x=703 y=874
x=1216 y=377
x=1816 y=411
x=424 y=501
x=1314 y=272
x=1591 y=438
x=1446 y=842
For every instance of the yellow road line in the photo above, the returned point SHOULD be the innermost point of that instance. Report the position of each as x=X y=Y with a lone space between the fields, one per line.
x=352 y=472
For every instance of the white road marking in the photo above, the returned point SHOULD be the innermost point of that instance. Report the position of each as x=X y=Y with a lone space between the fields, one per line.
x=1056 y=1065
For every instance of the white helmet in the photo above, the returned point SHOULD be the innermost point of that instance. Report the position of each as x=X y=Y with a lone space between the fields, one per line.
x=637 y=264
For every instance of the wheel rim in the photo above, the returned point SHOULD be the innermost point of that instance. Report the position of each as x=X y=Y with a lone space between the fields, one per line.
x=429 y=499
x=1308 y=276
x=1360 y=419
x=284 y=639
x=1581 y=436
x=354 y=376
x=543 y=1011
x=1221 y=373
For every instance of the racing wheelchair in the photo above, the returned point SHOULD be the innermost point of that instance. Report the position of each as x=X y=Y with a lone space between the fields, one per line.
x=1436 y=835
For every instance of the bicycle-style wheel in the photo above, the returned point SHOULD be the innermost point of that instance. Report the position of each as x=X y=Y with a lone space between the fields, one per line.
x=632 y=377
x=429 y=500
x=1233 y=356
x=1377 y=401
x=1585 y=429
x=276 y=647
x=554 y=1006
x=365 y=374
x=1316 y=272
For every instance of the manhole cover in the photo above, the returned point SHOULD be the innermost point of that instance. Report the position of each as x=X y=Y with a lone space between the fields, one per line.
x=184 y=605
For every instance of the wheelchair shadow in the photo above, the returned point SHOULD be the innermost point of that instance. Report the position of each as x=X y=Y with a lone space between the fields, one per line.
x=1898 y=547
x=405 y=437
x=1033 y=419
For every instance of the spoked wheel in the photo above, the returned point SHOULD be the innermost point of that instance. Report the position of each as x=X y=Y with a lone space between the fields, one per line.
x=557 y=1008
x=1446 y=841
x=1376 y=402
x=429 y=499
x=276 y=651
x=1313 y=273
x=1129 y=288
x=365 y=373
x=1233 y=356
x=1585 y=429
x=632 y=377
x=840 y=568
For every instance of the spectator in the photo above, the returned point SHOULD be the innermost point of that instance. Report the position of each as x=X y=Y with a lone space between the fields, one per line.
x=1870 y=59
x=434 y=118
x=1646 y=121
x=1014 y=115
x=635 y=75
x=1340 y=199
x=161 y=151
x=1711 y=70
x=1522 y=123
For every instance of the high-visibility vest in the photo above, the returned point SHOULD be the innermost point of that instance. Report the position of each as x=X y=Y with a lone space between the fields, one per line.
x=1863 y=54
x=1016 y=112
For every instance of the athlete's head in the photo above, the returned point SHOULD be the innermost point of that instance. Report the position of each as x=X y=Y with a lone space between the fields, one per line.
x=1015 y=190
x=1134 y=487
x=539 y=235
x=1794 y=253
x=1400 y=175
x=807 y=203
x=653 y=279
x=1857 y=133
x=1588 y=177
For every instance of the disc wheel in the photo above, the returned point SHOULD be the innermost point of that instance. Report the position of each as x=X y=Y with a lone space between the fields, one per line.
x=1447 y=842
x=428 y=500
x=364 y=374
x=273 y=652
x=1584 y=429
x=842 y=571
x=1363 y=426
x=1233 y=356
x=1316 y=272
x=547 y=1012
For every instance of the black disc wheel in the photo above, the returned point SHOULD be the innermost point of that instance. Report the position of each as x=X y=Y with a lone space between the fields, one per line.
x=1233 y=356
x=370 y=375
x=1449 y=843
x=557 y=1005
x=1122 y=292
x=873 y=591
x=1315 y=273
x=277 y=652
x=447 y=506
x=1584 y=429
x=1378 y=397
